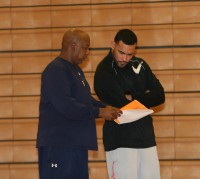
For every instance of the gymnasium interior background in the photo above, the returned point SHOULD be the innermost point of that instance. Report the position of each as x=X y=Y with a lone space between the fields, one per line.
x=169 y=40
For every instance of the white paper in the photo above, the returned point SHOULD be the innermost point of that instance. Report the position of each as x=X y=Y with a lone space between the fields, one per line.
x=131 y=115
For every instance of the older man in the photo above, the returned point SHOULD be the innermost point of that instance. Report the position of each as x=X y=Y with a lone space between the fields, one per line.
x=67 y=113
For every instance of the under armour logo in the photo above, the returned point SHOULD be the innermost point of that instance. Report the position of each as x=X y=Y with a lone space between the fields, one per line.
x=54 y=165
x=137 y=70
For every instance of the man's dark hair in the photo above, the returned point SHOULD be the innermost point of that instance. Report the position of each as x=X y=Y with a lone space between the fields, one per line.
x=126 y=36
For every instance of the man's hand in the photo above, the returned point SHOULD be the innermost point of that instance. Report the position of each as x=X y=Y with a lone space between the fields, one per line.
x=109 y=113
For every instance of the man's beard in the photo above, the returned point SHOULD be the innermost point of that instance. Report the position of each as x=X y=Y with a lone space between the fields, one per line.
x=121 y=64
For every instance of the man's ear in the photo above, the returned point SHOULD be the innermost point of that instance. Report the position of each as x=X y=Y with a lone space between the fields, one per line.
x=73 y=46
x=112 y=45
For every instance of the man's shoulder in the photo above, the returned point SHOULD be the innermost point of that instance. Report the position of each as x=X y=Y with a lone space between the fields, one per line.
x=54 y=66
x=136 y=58
x=135 y=61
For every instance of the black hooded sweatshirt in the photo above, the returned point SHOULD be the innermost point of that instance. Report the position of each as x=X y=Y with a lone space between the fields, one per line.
x=112 y=84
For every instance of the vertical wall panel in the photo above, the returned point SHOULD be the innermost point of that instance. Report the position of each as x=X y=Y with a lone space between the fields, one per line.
x=6 y=129
x=187 y=148
x=186 y=58
x=154 y=35
x=6 y=107
x=5 y=18
x=30 y=62
x=62 y=16
x=25 y=151
x=24 y=171
x=6 y=88
x=111 y=15
x=161 y=147
x=187 y=80
x=25 y=107
x=28 y=85
x=152 y=13
x=31 y=39
x=166 y=170
x=31 y=17
x=97 y=171
x=186 y=170
x=187 y=126
x=6 y=40
x=109 y=1
x=181 y=104
x=186 y=12
x=5 y=63
x=164 y=126
x=7 y=151
x=25 y=129
x=158 y=59
x=5 y=3
x=186 y=34
x=29 y=2
x=72 y=2
x=4 y=172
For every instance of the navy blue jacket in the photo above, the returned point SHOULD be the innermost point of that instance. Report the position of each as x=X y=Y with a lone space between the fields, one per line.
x=67 y=109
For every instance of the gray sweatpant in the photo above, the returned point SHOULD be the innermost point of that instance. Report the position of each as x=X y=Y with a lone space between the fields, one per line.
x=128 y=163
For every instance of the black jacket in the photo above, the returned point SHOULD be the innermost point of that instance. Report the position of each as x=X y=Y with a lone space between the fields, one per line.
x=111 y=84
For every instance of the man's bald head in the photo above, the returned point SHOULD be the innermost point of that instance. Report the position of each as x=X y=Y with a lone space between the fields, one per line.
x=74 y=36
x=75 y=46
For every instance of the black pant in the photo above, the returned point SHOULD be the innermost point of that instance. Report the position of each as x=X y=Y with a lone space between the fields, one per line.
x=62 y=163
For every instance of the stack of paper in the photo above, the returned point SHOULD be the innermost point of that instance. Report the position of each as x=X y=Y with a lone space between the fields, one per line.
x=133 y=112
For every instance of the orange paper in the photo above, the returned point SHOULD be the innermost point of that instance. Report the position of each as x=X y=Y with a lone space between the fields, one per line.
x=132 y=112
x=134 y=105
